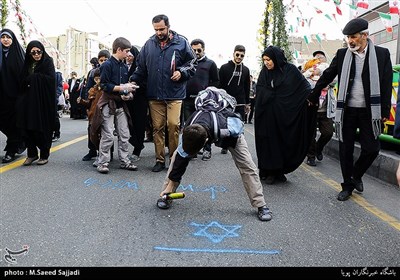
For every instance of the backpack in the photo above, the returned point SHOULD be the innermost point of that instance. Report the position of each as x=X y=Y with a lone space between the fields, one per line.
x=221 y=106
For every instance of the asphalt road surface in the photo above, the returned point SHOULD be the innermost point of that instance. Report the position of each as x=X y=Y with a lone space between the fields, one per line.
x=66 y=214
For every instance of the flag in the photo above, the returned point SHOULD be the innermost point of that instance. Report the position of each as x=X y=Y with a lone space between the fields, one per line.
x=353 y=8
x=307 y=39
x=318 y=38
x=173 y=64
x=394 y=7
x=318 y=10
x=337 y=2
x=296 y=54
x=363 y=4
x=387 y=21
x=328 y=16
x=338 y=10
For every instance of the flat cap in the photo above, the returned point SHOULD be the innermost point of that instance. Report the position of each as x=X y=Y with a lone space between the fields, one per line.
x=318 y=52
x=354 y=26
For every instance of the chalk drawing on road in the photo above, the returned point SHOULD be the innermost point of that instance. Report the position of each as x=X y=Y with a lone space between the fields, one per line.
x=216 y=233
x=110 y=184
x=214 y=190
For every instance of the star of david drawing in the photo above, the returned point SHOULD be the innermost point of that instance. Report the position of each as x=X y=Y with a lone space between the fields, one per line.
x=215 y=231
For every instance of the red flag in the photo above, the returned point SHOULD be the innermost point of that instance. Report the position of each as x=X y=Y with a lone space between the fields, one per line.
x=338 y=10
x=363 y=4
x=394 y=7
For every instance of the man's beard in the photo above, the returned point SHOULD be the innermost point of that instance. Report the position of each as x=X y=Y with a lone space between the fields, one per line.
x=163 y=38
x=354 y=49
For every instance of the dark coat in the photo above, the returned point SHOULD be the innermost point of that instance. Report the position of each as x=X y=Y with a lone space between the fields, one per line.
x=11 y=62
x=36 y=110
x=284 y=123
x=385 y=78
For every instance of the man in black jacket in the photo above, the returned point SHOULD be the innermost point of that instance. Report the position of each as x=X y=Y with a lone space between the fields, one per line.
x=364 y=100
x=206 y=75
x=235 y=79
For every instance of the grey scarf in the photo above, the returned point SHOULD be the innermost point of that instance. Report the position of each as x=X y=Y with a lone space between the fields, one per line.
x=374 y=86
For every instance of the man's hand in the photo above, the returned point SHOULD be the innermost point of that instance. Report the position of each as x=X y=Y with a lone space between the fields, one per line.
x=127 y=97
x=78 y=100
x=176 y=76
x=247 y=108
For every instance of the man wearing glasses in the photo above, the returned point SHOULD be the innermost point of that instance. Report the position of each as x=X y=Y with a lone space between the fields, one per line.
x=206 y=75
x=235 y=79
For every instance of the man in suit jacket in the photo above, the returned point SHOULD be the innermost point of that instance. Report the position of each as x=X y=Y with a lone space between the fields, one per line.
x=364 y=99
x=77 y=111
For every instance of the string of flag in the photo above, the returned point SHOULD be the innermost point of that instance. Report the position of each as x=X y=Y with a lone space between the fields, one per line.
x=304 y=22
x=23 y=20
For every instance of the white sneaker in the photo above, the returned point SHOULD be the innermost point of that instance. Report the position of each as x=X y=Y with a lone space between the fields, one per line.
x=134 y=158
x=96 y=163
x=103 y=169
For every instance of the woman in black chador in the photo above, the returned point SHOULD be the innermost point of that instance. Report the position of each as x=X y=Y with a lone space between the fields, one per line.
x=37 y=102
x=11 y=60
x=284 y=122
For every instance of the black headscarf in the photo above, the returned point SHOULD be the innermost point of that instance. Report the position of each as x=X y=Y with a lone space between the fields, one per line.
x=135 y=52
x=276 y=75
x=11 y=61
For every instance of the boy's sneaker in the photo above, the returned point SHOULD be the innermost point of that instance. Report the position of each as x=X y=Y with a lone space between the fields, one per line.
x=130 y=166
x=206 y=155
x=320 y=156
x=311 y=162
x=102 y=168
x=95 y=163
x=264 y=214
x=164 y=203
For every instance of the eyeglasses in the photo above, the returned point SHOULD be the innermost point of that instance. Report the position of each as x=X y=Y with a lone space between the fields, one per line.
x=36 y=52
x=198 y=50
x=239 y=55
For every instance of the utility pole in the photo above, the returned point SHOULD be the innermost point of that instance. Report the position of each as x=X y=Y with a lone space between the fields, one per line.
x=398 y=43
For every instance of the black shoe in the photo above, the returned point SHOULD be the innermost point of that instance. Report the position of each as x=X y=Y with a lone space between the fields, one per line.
x=250 y=122
x=206 y=155
x=311 y=162
x=164 y=203
x=264 y=214
x=224 y=151
x=358 y=185
x=89 y=156
x=270 y=180
x=320 y=156
x=344 y=195
x=160 y=166
x=21 y=148
x=8 y=158
x=55 y=138
x=281 y=177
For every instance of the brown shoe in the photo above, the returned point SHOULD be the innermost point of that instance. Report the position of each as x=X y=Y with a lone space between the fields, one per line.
x=29 y=160
x=42 y=161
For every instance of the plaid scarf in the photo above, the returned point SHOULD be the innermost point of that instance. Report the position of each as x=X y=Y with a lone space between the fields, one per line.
x=374 y=87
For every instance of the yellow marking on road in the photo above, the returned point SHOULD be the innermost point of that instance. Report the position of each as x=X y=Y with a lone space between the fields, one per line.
x=18 y=163
x=356 y=198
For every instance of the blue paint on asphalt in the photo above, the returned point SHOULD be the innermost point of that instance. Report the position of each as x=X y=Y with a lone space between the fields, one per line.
x=209 y=250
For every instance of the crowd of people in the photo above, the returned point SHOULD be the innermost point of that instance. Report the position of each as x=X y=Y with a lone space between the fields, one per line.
x=186 y=104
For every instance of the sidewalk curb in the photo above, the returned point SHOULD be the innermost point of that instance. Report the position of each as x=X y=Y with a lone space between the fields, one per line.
x=384 y=167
